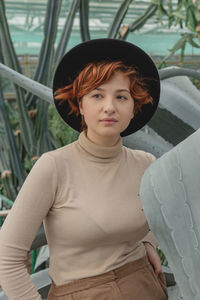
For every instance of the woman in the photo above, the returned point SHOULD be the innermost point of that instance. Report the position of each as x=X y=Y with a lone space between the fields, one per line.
x=87 y=192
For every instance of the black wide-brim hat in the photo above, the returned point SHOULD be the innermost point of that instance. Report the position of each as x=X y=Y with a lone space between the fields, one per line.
x=98 y=50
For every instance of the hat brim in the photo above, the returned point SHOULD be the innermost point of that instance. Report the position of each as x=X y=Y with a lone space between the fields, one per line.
x=107 y=50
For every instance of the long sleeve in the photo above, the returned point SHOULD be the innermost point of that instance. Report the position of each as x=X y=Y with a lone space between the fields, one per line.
x=150 y=238
x=77 y=190
x=20 y=227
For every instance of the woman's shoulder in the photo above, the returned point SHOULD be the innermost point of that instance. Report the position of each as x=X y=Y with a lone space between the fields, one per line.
x=56 y=159
x=60 y=153
x=139 y=155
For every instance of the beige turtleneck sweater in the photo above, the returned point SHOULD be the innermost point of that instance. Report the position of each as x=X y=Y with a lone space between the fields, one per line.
x=88 y=197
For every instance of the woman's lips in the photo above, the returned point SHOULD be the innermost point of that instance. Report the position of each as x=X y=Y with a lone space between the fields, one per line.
x=109 y=121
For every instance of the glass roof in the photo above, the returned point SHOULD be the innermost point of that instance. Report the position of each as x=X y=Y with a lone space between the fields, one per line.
x=26 y=19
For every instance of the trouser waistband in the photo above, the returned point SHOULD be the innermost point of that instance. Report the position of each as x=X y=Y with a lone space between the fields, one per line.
x=89 y=282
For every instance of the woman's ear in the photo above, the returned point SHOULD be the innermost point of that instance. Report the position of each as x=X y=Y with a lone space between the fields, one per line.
x=80 y=107
x=133 y=112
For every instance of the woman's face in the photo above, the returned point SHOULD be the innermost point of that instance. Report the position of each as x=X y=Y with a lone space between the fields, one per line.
x=107 y=110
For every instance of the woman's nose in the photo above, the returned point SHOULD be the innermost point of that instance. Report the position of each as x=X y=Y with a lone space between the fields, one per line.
x=109 y=105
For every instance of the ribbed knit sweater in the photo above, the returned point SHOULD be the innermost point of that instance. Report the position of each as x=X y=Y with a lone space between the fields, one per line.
x=88 y=198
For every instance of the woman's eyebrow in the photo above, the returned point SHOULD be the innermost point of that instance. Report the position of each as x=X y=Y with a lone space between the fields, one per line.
x=99 y=89
x=119 y=90
x=123 y=90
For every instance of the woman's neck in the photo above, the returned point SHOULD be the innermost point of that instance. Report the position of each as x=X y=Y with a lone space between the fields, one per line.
x=98 y=153
x=106 y=141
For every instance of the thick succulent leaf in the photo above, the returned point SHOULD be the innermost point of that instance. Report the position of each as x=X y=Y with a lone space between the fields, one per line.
x=6 y=201
x=62 y=45
x=191 y=18
x=180 y=44
x=120 y=14
x=43 y=141
x=176 y=71
x=10 y=57
x=84 y=20
x=43 y=72
x=11 y=60
x=26 y=83
x=149 y=142
x=170 y=190
x=139 y=22
x=150 y=11
x=9 y=188
x=190 y=40
x=178 y=113
x=4 y=156
x=16 y=165
x=42 y=256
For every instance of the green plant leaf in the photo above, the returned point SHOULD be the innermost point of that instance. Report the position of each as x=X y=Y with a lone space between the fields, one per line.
x=180 y=44
x=191 y=19
x=43 y=72
x=84 y=19
x=15 y=162
x=62 y=45
x=178 y=15
x=11 y=60
x=190 y=40
x=119 y=16
x=138 y=23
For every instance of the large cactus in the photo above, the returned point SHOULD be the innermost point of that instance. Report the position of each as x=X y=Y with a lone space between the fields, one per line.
x=84 y=20
x=61 y=48
x=170 y=192
x=10 y=58
x=44 y=74
x=9 y=146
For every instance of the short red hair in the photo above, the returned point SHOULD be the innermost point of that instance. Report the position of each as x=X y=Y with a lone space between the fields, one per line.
x=96 y=74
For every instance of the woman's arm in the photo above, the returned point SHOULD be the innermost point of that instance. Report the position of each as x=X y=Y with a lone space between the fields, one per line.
x=21 y=225
x=153 y=258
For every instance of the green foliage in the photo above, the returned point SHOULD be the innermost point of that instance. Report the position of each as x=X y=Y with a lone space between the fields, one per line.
x=2 y=131
x=196 y=82
x=119 y=16
x=10 y=58
x=162 y=257
x=62 y=45
x=139 y=22
x=185 y=14
x=84 y=20
x=62 y=133
x=25 y=134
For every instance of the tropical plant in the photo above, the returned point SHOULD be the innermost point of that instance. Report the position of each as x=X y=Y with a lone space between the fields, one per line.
x=25 y=132
x=185 y=14
x=30 y=136
x=26 y=129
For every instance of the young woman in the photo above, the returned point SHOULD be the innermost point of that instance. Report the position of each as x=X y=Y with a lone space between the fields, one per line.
x=87 y=193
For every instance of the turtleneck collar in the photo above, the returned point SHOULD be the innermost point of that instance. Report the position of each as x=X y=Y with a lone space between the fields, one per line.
x=98 y=151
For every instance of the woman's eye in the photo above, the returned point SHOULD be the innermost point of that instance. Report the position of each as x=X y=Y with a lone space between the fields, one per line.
x=122 y=97
x=97 y=96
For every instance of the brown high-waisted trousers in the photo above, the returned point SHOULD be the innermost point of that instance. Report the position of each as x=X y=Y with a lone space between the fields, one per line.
x=133 y=281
